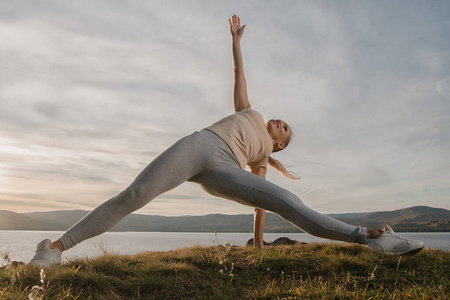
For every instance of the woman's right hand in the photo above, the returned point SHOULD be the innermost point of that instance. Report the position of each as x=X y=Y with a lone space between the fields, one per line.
x=235 y=27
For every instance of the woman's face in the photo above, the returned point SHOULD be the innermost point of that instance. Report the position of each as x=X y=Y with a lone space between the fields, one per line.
x=280 y=132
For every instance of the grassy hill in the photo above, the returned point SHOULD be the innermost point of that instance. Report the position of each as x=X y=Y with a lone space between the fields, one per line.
x=317 y=271
x=418 y=218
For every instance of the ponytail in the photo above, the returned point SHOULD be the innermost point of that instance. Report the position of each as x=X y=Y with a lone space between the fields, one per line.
x=279 y=167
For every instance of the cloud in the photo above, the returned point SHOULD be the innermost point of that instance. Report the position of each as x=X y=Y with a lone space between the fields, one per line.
x=90 y=92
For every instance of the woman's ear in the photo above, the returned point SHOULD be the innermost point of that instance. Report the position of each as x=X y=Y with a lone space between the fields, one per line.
x=280 y=145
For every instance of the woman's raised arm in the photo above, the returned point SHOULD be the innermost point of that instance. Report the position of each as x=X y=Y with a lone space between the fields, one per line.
x=240 y=97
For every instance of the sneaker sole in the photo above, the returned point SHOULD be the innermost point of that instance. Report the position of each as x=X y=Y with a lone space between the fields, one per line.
x=415 y=251
x=410 y=253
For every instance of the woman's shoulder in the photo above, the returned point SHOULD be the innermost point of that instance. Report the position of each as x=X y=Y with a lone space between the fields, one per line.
x=250 y=111
x=255 y=115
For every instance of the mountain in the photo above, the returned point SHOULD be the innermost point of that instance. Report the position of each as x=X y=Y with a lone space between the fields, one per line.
x=418 y=218
x=13 y=221
x=422 y=218
x=57 y=220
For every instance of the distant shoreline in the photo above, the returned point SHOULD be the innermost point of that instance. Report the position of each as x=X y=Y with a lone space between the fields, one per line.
x=412 y=219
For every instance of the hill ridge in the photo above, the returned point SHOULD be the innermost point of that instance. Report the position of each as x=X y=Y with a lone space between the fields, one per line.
x=416 y=218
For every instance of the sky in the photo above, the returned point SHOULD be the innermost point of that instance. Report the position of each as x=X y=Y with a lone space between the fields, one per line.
x=92 y=91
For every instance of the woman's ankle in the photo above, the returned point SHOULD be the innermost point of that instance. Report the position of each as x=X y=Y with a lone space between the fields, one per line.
x=57 y=244
x=373 y=233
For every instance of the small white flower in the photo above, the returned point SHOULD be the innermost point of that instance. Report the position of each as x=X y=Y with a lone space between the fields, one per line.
x=42 y=275
x=35 y=293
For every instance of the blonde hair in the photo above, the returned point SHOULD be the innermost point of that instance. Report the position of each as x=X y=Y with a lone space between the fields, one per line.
x=279 y=167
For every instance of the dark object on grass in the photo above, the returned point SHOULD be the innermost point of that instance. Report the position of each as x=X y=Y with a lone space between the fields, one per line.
x=279 y=241
x=14 y=264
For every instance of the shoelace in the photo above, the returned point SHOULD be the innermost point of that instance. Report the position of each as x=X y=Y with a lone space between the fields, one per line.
x=392 y=233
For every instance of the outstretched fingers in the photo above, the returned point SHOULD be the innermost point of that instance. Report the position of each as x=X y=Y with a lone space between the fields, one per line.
x=235 y=20
x=235 y=26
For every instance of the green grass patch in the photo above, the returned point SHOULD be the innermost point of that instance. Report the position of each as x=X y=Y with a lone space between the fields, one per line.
x=316 y=271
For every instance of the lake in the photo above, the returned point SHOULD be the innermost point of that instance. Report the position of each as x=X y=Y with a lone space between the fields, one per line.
x=21 y=245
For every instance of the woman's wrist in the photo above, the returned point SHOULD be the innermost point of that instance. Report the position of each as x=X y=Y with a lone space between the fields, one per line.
x=236 y=39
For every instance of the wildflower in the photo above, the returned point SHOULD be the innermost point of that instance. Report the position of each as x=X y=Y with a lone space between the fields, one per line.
x=227 y=246
x=5 y=256
x=216 y=241
x=35 y=293
x=42 y=275
x=372 y=275
x=37 y=290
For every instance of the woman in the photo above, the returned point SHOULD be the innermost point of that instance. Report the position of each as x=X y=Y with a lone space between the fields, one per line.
x=215 y=158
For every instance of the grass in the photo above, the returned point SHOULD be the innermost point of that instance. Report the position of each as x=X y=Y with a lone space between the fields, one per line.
x=316 y=271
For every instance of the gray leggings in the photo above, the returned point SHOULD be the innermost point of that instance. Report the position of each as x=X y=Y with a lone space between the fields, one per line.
x=206 y=159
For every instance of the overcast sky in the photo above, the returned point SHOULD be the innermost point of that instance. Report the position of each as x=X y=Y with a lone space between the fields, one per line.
x=92 y=91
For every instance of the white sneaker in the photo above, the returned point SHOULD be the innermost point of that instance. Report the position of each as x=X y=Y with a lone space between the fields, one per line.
x=391 y=243
x=45 y=257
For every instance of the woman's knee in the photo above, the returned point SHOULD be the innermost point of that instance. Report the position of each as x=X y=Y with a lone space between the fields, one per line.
x=287 y=204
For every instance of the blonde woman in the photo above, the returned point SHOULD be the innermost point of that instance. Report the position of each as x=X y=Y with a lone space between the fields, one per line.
x=215 y=158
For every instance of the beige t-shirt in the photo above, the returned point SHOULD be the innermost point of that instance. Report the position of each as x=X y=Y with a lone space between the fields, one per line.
x=246 y=134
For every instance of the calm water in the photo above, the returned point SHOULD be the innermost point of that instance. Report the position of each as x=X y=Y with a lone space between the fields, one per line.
x=21 y=245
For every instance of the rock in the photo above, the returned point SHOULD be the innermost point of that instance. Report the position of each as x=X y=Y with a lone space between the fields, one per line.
x=250 y=243
x=13 y=264
x=279 y=241
x=284 y=241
